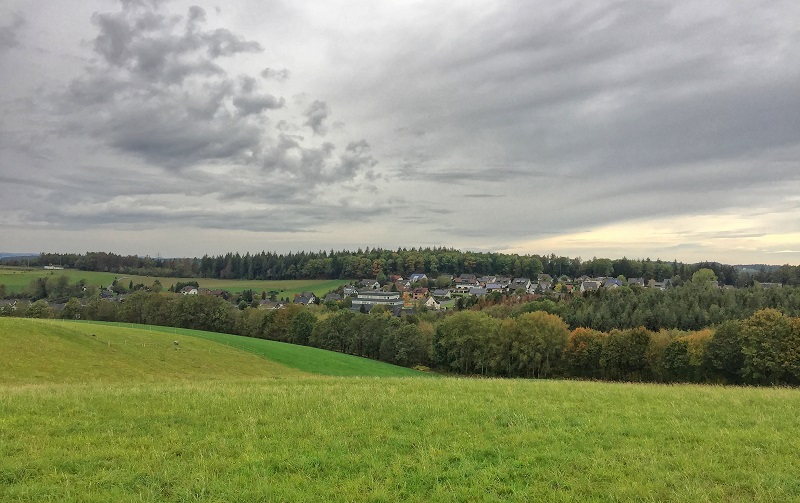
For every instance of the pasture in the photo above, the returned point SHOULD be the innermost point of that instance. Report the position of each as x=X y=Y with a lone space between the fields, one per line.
x=222 y=435
x=17 y=279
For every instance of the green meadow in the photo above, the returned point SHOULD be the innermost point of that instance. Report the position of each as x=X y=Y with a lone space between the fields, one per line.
x=172 y=425
x=17 y=279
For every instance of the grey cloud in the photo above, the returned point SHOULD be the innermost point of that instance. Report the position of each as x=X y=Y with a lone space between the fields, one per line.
x=9 y=33
x=316 y=113
x=222 y=42
x=161 y=93
x=274 y=74
x=255 y=104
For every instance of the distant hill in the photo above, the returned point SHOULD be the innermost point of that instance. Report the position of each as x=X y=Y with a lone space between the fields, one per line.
x=11 y=255
x=754 y=268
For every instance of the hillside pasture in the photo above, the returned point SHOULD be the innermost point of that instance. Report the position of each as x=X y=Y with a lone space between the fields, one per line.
x=17 y=279
x=50 y=351
x=302 y=358
x=94 y=419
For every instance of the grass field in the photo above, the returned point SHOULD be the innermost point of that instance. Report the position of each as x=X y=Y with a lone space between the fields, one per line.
x=305 y=438
x=57 y=351
x=16 y=279
x=303 y=358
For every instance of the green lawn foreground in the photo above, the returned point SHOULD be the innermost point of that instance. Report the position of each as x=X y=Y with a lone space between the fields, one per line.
x=355 y=439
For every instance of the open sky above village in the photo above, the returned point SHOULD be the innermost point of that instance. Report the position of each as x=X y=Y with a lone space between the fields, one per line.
x=661 y=129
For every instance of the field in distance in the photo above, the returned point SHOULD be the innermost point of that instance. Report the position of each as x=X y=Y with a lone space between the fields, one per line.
x=17 y=279
x=291 y=436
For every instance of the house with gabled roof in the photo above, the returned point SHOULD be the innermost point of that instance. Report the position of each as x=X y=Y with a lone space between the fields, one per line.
x=518 y=283
x=465 y=279
x=494 y=287
x=442 y=293
x=305 y=298
x=432 y=303
x=419 y=293
x=372 y=284
x=417 y=277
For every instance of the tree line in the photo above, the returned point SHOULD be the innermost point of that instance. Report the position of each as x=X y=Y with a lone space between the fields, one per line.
x=762 y=349
x=378 y=263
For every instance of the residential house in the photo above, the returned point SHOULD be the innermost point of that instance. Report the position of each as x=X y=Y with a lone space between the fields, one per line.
x=494 y=287
x=636 y=281
x=372 y=284
x=335 y=297
x=432 y=303
x=402 y=285
x=189 y=290
x=270 y=305
x=419 y=293
x=477 y=291
x=442 y=293
x=612 y=283
x=305 y=298
x=517 y=283
x=589 y=286
x=417 y=277
x=463 y=288
x=349 y=291
x=468 y=279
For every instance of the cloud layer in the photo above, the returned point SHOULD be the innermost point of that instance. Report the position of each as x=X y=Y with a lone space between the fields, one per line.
x=482 y=125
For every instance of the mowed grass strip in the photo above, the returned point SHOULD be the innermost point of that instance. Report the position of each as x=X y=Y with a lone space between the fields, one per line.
x=352 y=439
x=303 y=358
x=51 y=351
x=17 y=279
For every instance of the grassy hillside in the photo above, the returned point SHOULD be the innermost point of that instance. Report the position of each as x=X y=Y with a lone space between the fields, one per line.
x=349 y=439
x=17 y=279
x=124 y=416
x=306 y=359
x=45 y=351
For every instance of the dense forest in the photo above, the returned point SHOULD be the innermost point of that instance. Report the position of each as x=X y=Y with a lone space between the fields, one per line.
x=380 y=264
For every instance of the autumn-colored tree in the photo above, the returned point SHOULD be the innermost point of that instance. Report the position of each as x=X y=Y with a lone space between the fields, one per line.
x=582 y=353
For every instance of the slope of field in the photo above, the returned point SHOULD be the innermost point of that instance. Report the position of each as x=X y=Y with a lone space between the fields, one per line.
x=351 y=439
x=304 y=358
x=48 y=351
x=17 y=279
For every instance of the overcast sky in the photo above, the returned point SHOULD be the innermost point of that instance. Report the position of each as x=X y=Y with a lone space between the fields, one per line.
x=661 y=129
